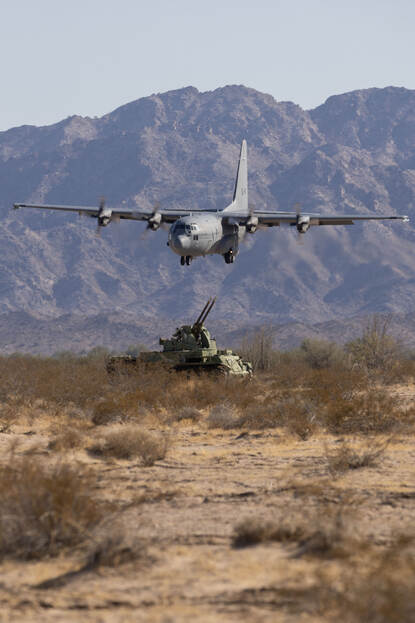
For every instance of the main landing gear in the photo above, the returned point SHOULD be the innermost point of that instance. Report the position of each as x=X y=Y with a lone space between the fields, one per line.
x=186 y=260
x=229 y=257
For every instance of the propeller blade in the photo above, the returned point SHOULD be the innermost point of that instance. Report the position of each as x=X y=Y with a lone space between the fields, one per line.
x=299 y=238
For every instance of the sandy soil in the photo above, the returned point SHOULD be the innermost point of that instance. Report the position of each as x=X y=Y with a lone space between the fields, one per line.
x=185 y=509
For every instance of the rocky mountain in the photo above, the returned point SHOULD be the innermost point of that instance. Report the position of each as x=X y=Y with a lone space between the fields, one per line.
x=354 y=153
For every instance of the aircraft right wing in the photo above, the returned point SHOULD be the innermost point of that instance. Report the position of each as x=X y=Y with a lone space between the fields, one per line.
x=105 y=215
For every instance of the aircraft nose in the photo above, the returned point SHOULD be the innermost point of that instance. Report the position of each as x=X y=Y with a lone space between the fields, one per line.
x=181 y=243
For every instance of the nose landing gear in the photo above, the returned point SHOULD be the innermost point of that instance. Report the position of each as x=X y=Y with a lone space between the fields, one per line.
x=229 y=257
x=186 y=260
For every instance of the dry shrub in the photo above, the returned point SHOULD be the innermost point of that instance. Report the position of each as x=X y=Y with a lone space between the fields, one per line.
x=379 y=355
x=44 y=508
x=292 y=394
x=321 y=354
x=114 y=543
x=292 y=371
x=83 y=385
x=61 y=381
x=298 y=415
x=253 y=531
x=8 y=415
x=187 y=413
x=344 y=403
x=258 y=349
x=355 y=456
x=378 y=588
x=373 y=411
x=68 y=439
x=260 y=416
x=377 y=352
x=152 y=496
x=322 y=531
x=223 y=416
x=127 y=442
x=107 y=411
x=289 y=410
x=327 y=386
x=111 y=544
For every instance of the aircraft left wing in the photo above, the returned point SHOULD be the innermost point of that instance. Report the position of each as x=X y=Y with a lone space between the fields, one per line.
x=305 y=220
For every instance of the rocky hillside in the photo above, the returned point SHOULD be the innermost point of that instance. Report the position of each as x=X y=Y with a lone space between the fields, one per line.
x=354 y=153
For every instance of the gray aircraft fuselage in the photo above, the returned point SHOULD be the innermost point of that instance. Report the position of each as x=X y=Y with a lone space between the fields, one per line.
x=204 y=234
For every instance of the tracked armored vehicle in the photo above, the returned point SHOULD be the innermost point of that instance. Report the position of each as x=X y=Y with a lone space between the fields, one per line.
x=191 y=347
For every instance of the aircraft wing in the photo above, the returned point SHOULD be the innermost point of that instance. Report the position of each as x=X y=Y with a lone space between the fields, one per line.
x=167 y=216
x=274 y=219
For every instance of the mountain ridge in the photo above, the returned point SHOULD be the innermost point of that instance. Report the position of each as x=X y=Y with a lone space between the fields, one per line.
x=353 y=153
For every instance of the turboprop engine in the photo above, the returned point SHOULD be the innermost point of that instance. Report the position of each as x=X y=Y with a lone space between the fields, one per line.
x=154 y=221
x=104 y=217
x=303 y=224
x=251 y=224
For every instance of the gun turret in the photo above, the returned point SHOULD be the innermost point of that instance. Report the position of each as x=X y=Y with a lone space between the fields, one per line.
x=191 y=347
x=196 y=327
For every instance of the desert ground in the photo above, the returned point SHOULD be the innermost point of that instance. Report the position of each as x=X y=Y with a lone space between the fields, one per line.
x=180 y=499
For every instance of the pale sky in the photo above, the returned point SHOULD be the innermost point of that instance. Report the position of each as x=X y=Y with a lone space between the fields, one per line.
x=87 y=57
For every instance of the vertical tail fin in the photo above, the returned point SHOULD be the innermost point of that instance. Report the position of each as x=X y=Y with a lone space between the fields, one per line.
x=240 y=193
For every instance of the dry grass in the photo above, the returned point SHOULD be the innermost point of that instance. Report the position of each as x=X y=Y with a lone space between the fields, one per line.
x=253 y=531
x=114 y=543
x=223 y=416
x=290 y=410
x=44 y=507
x=186 y=413
x=69 y=438
x=8 y=415
x=107 y=411
x=378 y=587
x=363 y=453
x=297 y=395
x=130 y=441
x=322 y=531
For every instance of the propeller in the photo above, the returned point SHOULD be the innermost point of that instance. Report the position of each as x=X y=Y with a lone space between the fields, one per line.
x=104 y=216
x=302 y=223
x=154 y=221
x=252 y=222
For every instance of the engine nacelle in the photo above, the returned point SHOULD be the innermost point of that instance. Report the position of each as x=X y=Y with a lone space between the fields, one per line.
x=251 y=224
x=154 y=221
x=104 y=217
x=303 y=224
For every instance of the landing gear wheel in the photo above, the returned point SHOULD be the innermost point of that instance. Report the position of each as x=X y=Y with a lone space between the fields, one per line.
x=182 y=260
x=188 y=260
x=229 y=257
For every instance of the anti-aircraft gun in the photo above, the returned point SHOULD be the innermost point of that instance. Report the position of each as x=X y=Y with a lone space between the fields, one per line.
x=191 y=347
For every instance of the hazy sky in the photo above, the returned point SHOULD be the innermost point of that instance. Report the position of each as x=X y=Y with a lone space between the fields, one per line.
x=64 y=57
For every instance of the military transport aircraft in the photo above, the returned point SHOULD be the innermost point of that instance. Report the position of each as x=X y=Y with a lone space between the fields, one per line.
x=197 y=232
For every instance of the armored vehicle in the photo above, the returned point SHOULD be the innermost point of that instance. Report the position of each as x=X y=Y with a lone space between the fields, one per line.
x=191 y=347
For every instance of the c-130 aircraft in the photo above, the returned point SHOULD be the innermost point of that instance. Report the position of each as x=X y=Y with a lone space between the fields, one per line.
x=197 y=232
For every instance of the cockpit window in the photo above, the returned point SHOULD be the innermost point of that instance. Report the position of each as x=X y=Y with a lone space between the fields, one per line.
x=185 y=228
